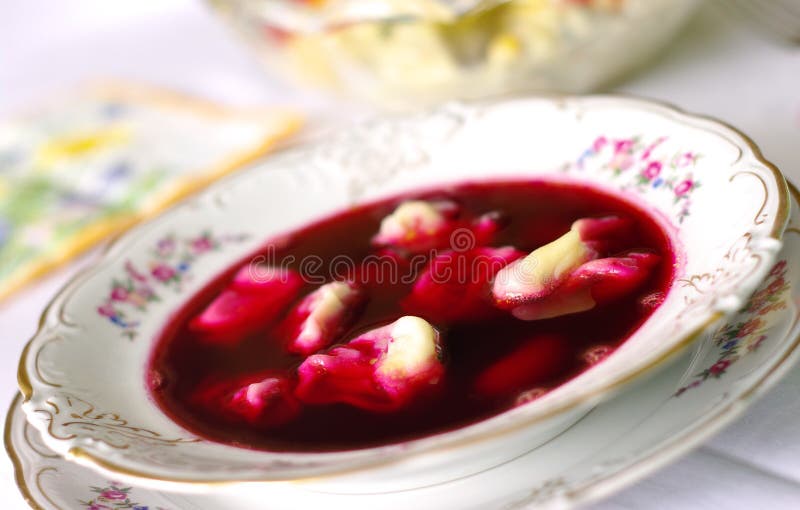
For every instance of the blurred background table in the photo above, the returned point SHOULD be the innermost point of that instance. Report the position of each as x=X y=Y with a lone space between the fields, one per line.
x=714 y=67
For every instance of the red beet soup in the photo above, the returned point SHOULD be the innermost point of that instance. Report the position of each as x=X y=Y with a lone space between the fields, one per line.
x=411 y=316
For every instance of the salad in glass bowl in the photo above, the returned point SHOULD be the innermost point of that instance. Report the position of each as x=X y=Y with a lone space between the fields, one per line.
x=405 y=53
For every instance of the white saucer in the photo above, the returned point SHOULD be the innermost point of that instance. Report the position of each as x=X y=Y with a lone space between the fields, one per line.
x=613 y=445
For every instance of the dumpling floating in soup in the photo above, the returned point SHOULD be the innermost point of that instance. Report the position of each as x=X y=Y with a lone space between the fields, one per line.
x=420 y=314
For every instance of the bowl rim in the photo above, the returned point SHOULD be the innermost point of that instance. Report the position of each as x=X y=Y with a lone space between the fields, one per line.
x=679 y=116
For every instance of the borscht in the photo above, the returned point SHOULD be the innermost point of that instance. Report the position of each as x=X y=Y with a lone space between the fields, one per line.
x=410 y=316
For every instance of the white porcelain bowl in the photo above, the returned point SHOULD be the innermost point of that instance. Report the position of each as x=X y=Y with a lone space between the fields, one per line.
x=83 y=374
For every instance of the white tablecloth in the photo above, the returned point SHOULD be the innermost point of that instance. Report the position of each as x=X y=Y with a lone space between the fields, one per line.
x=715 y=67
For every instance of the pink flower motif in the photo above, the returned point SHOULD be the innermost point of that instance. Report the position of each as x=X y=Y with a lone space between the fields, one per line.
x=134 y=273
x=646 y=154
x=145 y=291
x=686 y=159
x=622 y=161
x=761 y=295
x=778 y=268
x=106 y=310
x=684 y=187
x=165 y=246
x=599 y=143
x=755 y=345
x=137 y=299
x=201 y=244
x=719 y=367
x=119 y=293
x=776 y=286
x=623 y=146
x=756 y=304
x=652 y=170
x=114 y=495
x=749 y=327
x=772 y=308
x=163 y=272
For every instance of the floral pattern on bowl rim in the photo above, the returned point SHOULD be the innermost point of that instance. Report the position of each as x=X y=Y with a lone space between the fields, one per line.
x=746 y=331
x=639 y=163
x=114 y=496
x=170 y=266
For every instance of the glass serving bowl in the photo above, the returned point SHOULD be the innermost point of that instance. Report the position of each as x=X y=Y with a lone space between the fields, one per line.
x=411 y=52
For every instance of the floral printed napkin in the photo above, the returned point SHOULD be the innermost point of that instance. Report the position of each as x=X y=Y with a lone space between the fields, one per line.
x=96 y=162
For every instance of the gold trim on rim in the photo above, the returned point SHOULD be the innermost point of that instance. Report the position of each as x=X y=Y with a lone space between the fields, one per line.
x=779 y=224
x=19 y=471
